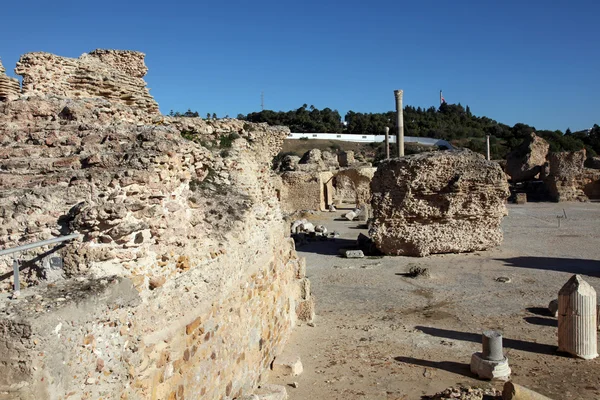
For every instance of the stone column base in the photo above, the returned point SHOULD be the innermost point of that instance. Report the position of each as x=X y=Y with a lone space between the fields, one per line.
x=486 y=369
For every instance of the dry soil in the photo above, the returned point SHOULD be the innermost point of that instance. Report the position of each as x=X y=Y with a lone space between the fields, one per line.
x=379 y=334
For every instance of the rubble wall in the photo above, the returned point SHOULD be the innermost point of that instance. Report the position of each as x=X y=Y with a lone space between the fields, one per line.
x=182 y=284
x=114 y=75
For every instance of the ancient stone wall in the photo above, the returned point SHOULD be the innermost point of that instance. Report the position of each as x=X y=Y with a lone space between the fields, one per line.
x=182 y=284
x=359 y=180
x=565 y=179
x=10 y=88
x=527 y=160
x=438 y=202
x=109 y=74
x=306 y=191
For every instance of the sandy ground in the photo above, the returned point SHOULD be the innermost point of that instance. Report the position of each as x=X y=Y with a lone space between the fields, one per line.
x=381 y=335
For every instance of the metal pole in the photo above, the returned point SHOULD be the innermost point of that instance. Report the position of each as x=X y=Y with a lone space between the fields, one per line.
x=38 y=244
x=488 y=147
x=387 y=143
x=17 y=285
x=399 y=123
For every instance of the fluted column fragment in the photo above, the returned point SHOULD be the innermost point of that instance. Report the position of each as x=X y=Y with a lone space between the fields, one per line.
x=577 y=321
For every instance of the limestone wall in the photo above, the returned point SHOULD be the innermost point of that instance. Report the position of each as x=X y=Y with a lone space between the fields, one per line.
x=9 y=87
x=109 y=74
x=565 y=179
x=183 y=284
x=306 y=191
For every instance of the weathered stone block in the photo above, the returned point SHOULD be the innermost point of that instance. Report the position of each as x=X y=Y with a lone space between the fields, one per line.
x=287 y=365
x=521 y=198
x=527 y=161
x=305 y=309
x=438 y=202
x=271 y=392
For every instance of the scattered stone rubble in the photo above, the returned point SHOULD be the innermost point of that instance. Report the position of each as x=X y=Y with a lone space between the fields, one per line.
x=466 y=393
x=184 y=283
x=438 y=202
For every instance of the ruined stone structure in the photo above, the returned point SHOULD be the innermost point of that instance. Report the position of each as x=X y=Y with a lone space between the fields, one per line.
x=306 y=191
x=353 y=185
x=566 y=178
x=9 y=87
x=183 y=284
x=109 y=74
x=527 y=161
x=438 y=202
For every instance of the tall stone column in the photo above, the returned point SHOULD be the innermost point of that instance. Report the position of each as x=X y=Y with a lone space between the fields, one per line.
x=399 y=122
x=387 y=143
x=487 y=142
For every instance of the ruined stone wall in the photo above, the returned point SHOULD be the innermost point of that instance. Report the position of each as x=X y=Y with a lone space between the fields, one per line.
x=565 y=179
x=109 y=74
x=10 y=88
x=182 y=285
x=305 y=190
x=360 y=184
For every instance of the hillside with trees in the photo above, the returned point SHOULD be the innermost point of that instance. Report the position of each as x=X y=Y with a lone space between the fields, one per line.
x=451 y=122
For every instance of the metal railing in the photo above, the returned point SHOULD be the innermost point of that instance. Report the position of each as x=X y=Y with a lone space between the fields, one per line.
x=18 y=249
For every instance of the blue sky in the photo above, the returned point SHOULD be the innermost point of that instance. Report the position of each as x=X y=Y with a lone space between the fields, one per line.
x=531 y=61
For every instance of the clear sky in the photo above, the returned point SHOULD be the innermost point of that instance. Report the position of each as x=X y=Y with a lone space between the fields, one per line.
x=527 y=61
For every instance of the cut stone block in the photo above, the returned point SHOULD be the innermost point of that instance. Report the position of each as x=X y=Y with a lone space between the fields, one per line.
x=512 y=391
x=287 y=365
x=271 y=392
x=521 y=198
x=352 y=253
x=350 y=215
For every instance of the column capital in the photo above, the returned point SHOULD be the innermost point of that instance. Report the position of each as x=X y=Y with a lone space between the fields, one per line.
x=398 y=94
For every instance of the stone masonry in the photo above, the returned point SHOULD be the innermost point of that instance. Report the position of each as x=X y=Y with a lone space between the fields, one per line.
x=438 y=202
x=109 y=74
x=183 y=284
x=9 y=87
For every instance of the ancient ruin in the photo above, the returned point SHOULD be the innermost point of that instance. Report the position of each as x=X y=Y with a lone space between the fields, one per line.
x=114 y=75
x=184 y=284
x=527 y=161
x=438 y=202
x=9 y=87
x=577 y=321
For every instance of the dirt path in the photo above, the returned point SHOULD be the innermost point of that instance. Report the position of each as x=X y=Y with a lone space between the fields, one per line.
x=381 y=335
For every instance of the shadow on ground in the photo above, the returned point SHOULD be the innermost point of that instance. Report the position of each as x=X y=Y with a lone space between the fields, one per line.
x=330 y=247
x=450 y=366
x=570 y=265
x=541 y=321
x=516 y=344
x=544 y=312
